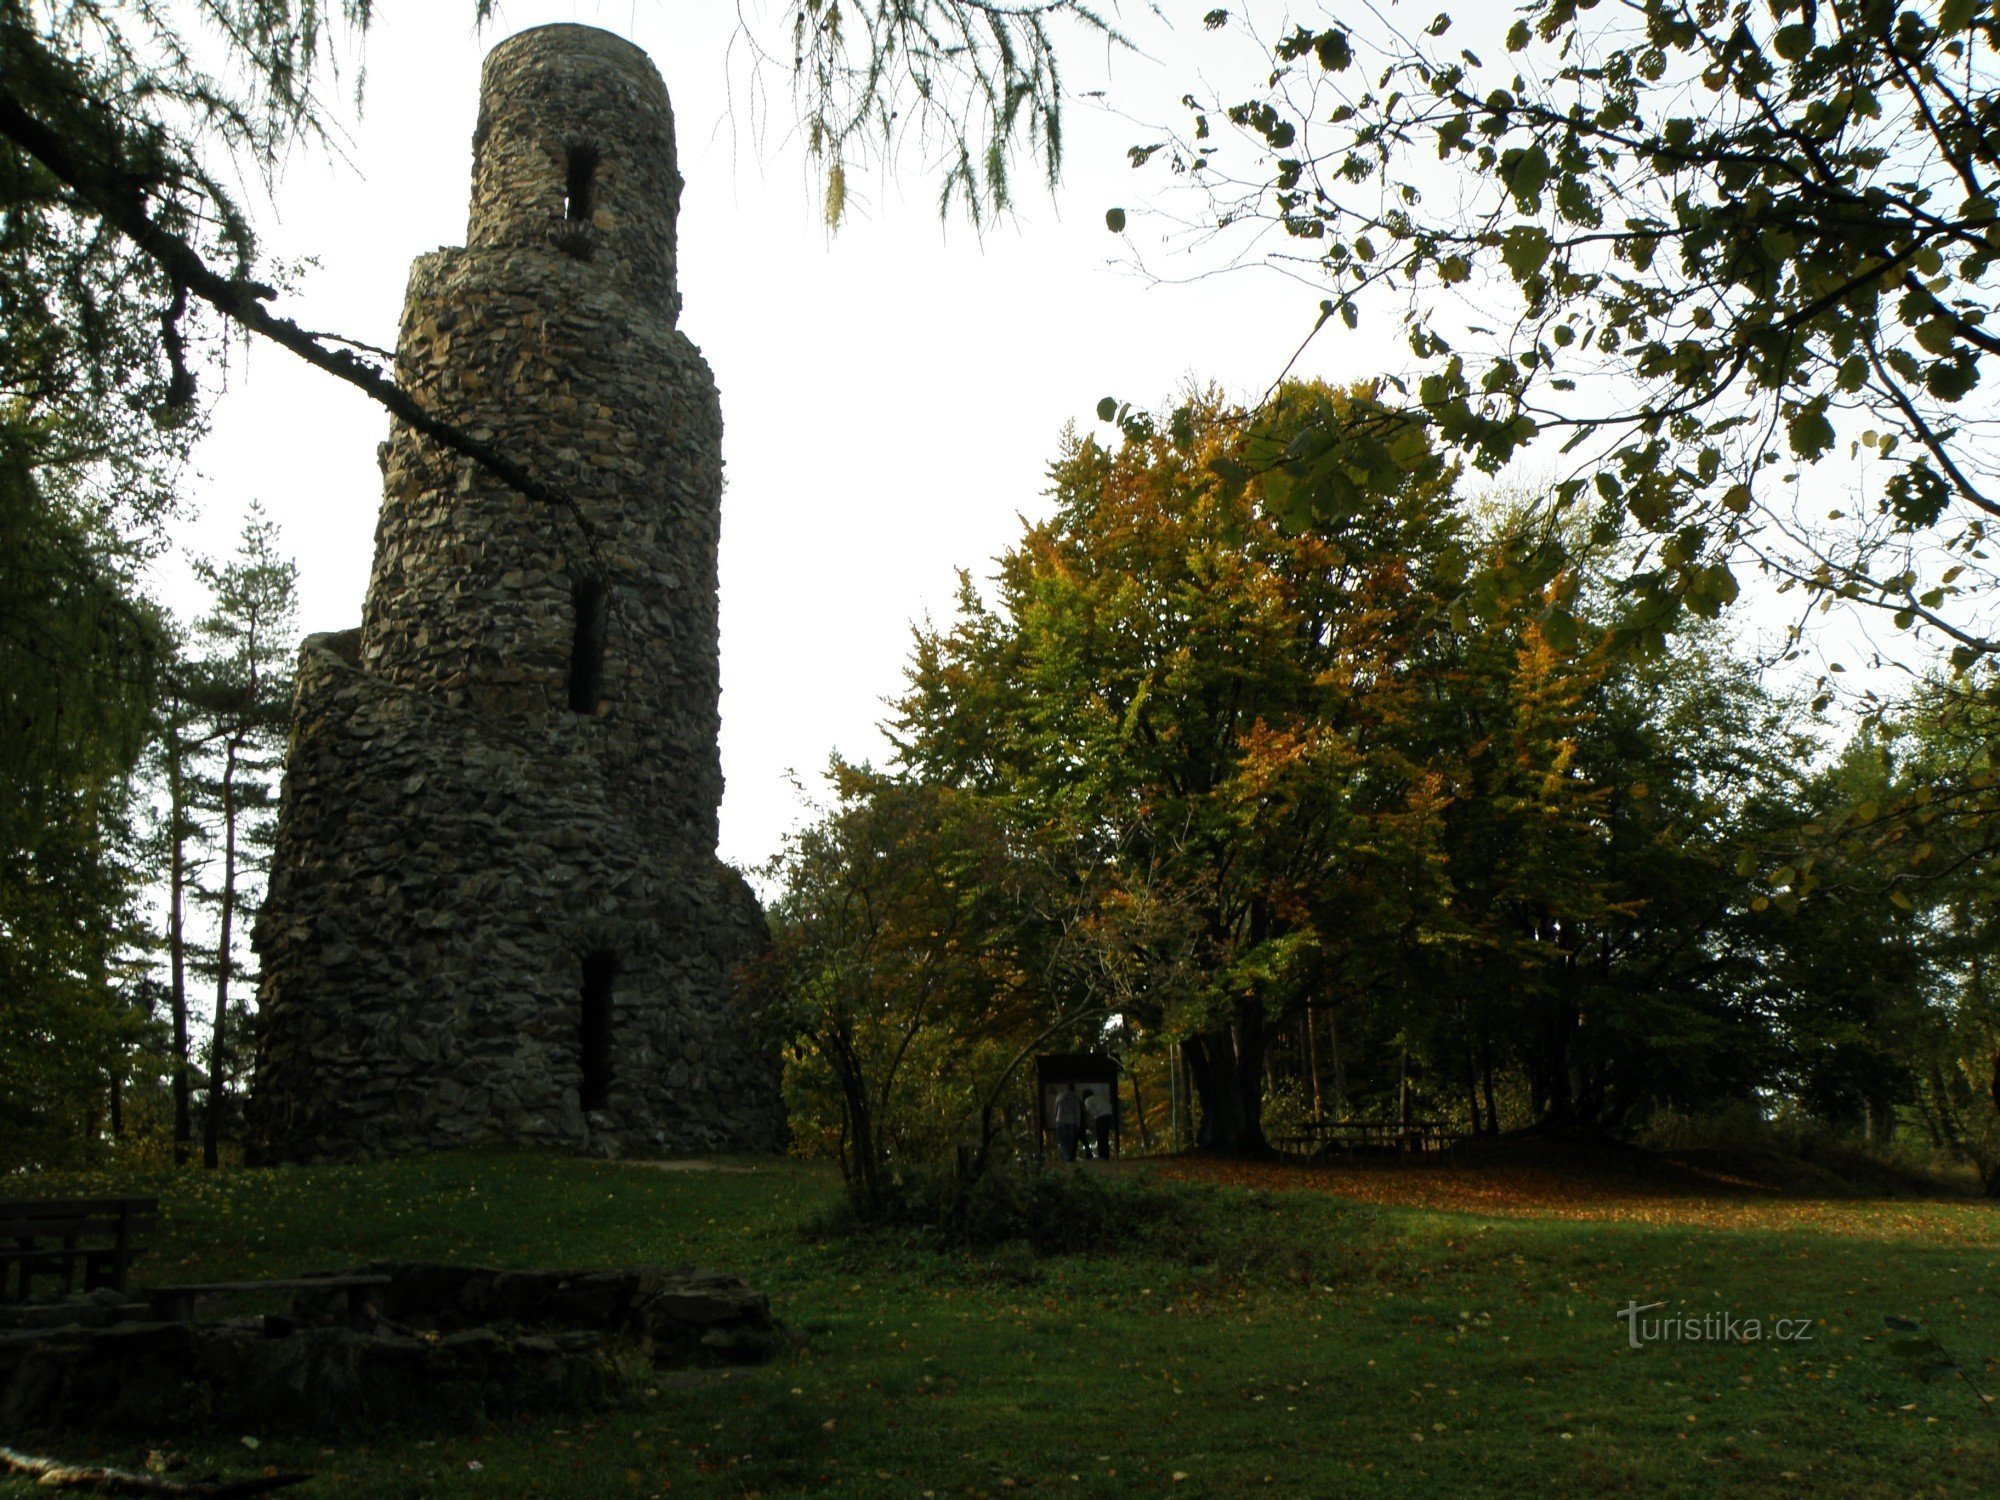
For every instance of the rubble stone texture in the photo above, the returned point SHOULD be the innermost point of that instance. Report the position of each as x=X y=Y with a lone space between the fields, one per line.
x=495 y=912
x=450 y=1344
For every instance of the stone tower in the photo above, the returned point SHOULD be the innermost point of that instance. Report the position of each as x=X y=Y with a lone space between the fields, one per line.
x=495 y=912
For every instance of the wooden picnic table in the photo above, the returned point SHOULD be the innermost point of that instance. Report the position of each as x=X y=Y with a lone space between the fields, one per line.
x=1404 y=1137
x=60 y=1236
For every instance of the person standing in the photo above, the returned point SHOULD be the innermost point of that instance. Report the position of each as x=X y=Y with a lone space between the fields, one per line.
x=1068 y=1116
x=1097 y=1115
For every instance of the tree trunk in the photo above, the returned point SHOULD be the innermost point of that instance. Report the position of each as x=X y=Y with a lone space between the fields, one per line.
x=211 y=1133
x=1312 y=1064
x=1492 y=1126
x=1226 y=1068
x=177 y=944
x=1555 y=1093
x=1943 y=1116
x=1339 y=1064
x=864 y=1181
x=1139 y=1113
x=1183 y=1099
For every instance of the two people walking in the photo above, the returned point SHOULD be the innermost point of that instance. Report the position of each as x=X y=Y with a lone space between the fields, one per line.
x=1084 y=1121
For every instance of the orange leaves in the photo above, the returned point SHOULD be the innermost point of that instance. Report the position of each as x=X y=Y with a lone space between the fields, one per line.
x=1661 y=1192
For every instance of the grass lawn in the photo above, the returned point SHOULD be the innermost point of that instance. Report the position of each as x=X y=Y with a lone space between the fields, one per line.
x=1415 y=1333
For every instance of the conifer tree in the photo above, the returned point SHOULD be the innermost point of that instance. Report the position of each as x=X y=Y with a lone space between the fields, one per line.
x=228 y=755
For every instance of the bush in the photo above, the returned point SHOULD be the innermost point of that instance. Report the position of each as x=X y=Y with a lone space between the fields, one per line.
x=1017 y=1213
x=1052 y=1211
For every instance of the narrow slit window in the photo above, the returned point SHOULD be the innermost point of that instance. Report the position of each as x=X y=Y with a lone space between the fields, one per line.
x=580 y=185
x=586 y=652
x=594 y=1038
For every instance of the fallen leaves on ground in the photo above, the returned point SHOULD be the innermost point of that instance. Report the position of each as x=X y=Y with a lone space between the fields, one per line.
x=1530 y=1191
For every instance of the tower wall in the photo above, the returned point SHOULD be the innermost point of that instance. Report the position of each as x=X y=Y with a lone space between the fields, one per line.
x=495 y=912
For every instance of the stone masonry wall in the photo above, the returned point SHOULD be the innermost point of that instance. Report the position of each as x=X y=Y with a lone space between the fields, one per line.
x=464 y=829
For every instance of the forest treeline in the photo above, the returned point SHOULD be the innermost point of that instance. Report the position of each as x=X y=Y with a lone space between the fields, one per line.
x=1274 y=754
x=1337 y=820
x=139 y=777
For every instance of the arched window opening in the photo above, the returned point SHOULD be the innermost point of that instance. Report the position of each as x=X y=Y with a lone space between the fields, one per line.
x=586 y=652
x=580 y=186
x=600 y=970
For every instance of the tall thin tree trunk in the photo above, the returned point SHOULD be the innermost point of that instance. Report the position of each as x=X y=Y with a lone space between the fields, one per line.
x=1403 y=1088
x=117 y=1107
x=1339 y=1064
x=1312 y=1064
x=1486 y=1078
x=177 y=943
x=1185 y=1089
x=211 y=1134
x=1139 y=1111
x=1946 y=1118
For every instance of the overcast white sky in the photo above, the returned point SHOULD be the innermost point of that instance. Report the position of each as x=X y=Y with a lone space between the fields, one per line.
x=891 y=395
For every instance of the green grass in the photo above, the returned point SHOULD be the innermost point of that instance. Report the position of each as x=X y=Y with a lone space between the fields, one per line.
x=1298 y=1343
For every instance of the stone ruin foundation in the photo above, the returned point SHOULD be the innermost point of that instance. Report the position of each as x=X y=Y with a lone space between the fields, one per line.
x=495 y=912
x=442 y=1343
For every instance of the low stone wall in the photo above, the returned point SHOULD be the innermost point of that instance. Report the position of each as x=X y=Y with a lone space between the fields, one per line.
x=453 y=1343
x=680 y=1315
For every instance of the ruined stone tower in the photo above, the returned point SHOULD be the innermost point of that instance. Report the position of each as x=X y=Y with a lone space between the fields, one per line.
x=495 y=912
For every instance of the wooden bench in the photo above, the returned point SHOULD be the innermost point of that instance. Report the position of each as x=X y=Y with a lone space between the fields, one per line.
x=57 y=1236
x=1405 y=1138
x=175 y=1304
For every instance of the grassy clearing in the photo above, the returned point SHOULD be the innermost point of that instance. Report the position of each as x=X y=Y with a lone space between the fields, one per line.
x=1301 y=1341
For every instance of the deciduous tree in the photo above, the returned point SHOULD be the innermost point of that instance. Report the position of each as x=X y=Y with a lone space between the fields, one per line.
x=1708 y=244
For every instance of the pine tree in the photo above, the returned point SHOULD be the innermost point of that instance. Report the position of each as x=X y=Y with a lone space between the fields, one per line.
x=237 y=690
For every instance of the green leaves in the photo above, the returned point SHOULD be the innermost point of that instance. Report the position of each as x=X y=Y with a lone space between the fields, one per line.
x=1793 y=42
x=1525 y=250
x=1733 y=263
x=1917 y=495
x=1560 y=629
x=1524 y=169
x=1709 y=589
x=1934 y=335
x=1953 y=379
x=1957 y=15
x=1331 y=47
x=1809 y=431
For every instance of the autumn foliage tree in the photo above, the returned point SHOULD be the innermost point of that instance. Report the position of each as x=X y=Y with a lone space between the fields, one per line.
x=1218 y=707
x=1347 y=763
x=914 y=966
